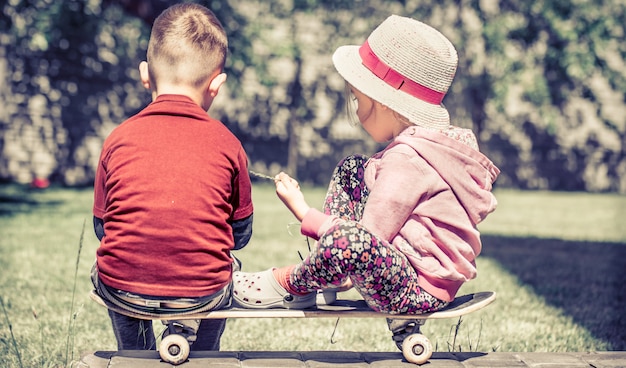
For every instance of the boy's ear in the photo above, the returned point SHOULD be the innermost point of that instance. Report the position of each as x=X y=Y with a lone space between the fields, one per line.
x=144 y=74
x=216 y=83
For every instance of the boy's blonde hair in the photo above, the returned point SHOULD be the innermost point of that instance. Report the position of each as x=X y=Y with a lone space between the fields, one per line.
x=187 y=45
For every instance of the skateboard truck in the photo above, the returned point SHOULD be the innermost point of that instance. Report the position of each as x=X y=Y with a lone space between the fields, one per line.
x=402 y=328
x=415 y=347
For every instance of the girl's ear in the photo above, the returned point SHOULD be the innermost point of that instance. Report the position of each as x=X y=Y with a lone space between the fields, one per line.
x=144 y=74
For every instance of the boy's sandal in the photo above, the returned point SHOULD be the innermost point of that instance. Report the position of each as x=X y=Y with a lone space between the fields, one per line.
x=260 y=290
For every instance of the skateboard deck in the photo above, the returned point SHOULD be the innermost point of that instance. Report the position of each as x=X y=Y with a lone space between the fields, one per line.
x=416 y=348
x=341 y=308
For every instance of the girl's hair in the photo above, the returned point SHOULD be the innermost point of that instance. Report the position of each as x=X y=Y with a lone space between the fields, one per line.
x=187 y=45
x=351 y=106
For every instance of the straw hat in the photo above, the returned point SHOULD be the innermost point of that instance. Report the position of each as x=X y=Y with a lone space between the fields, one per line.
x=405 y=65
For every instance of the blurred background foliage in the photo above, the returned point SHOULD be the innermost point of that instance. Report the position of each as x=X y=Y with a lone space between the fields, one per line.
x=542 y=83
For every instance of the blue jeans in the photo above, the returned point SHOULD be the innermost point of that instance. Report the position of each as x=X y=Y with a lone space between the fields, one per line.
x=137 y=334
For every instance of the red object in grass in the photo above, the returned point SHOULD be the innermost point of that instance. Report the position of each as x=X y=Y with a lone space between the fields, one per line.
x=40 y=183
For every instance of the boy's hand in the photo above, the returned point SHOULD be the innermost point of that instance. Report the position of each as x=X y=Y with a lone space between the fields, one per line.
x=288 y=190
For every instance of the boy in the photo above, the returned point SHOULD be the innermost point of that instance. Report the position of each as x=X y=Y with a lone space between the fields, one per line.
x=172 y=194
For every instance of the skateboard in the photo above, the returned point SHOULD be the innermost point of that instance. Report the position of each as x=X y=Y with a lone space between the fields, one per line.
x=415 y=347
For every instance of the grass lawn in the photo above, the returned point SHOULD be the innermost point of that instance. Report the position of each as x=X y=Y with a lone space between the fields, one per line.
x=556 y=260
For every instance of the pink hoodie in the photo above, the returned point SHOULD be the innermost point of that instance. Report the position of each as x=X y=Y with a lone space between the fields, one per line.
x=428 y=191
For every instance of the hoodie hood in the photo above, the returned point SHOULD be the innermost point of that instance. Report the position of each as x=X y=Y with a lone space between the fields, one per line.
x=454 y=155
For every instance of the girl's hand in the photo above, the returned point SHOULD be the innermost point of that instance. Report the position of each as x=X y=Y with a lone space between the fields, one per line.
x=288 y=190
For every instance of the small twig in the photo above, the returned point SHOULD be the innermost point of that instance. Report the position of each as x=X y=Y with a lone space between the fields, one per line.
x=332 y=336
x=6 y=316
x=308 y=244
x=262 y=176
x=480 y=333
x=456 y=333
x=72 y=314
x=43 y=351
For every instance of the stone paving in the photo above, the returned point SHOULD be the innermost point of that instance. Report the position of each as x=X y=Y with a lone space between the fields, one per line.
x=347 y=359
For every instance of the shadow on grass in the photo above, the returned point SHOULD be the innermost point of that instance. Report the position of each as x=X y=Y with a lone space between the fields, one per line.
x=586 y=280
x=21 y=200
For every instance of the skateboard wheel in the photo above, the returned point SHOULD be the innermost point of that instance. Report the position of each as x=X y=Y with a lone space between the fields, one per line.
x=417 y=349
x=174 y=349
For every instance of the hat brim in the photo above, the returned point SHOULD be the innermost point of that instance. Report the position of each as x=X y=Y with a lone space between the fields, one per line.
x=348 y=63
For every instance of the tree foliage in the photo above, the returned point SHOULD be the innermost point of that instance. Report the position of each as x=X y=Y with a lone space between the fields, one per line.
x=70 y=78
x=542 y=83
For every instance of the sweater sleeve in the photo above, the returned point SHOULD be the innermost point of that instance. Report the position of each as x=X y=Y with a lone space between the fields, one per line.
x=315 y=223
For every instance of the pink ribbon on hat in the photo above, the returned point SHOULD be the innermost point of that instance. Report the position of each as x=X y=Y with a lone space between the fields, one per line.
x=395 y=79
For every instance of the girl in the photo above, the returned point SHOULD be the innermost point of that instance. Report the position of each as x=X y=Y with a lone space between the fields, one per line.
x=400 y=226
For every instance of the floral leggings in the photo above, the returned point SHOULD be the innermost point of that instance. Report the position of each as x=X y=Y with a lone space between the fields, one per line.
x=380 y=273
